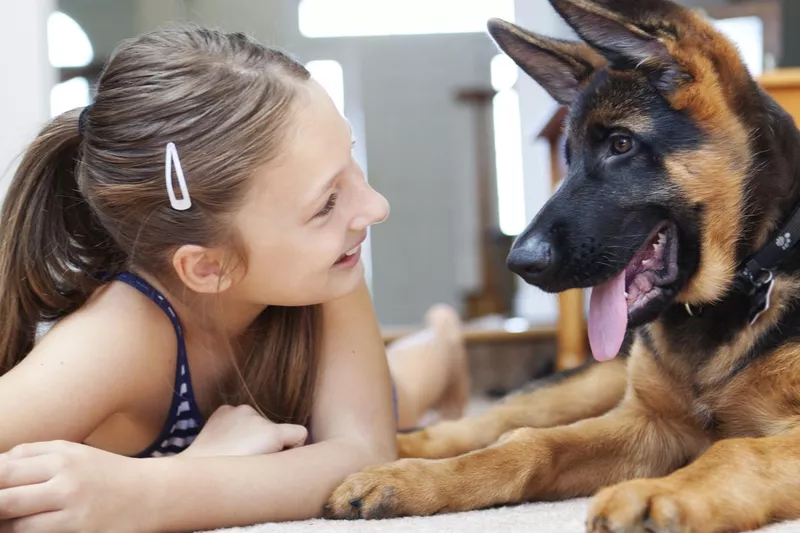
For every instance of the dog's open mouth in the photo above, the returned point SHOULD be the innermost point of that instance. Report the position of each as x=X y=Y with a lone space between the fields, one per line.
x=653 y=268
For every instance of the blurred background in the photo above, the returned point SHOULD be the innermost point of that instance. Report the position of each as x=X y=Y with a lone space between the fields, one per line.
x=465 y=148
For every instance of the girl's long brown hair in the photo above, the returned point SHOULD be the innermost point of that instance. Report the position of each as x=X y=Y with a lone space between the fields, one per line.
x=84 y=205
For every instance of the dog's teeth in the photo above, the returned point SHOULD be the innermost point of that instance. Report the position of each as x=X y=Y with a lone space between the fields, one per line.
x=646 y=262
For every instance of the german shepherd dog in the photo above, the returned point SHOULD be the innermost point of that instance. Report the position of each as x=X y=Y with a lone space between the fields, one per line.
x=679 y=211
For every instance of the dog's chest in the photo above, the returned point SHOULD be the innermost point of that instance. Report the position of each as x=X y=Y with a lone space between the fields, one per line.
x=705 y=415
x=717 y=416
x=749 y=407
x=706 y=401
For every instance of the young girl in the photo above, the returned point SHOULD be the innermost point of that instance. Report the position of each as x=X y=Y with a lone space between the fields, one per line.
x=193 y=238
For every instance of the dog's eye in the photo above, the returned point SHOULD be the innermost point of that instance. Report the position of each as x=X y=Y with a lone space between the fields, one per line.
x=621 y=144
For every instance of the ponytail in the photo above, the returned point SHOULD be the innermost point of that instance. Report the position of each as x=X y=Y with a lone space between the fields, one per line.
x=53 y=251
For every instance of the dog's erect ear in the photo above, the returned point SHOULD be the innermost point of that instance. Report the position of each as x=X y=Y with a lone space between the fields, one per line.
x=623 y=32
x=560 y=67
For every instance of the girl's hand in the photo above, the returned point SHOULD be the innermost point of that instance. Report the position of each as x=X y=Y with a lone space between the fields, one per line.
x=60 y=487
x=242 y=430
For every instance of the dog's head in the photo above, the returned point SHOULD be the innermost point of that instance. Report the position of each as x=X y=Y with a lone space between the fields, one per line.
x=660 y=152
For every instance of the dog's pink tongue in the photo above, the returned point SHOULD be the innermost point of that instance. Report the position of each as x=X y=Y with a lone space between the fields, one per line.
x=608 y=318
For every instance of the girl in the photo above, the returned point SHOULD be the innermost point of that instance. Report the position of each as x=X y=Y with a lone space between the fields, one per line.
x=193 y=238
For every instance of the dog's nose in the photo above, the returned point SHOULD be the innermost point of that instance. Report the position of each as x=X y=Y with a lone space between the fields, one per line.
x=530 y=258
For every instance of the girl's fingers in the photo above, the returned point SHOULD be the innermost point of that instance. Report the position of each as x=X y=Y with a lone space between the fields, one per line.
x=52 y=522
x=27 y=500
x=292 y=435
x=33 y=449
x=27 y=471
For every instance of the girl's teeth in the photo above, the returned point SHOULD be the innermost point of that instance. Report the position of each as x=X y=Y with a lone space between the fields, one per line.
x=351 y=252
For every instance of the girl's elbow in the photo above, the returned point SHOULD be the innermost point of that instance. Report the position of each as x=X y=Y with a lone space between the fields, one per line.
x=385 y=449
x=375 y=452
x=385 y=453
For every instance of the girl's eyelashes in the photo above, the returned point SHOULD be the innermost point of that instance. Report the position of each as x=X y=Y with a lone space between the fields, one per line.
x=325 y=211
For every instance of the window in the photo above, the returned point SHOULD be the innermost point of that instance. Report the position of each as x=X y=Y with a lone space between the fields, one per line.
x=353 y=18
x=67 y=43
x=329 y=74
x=747 y=33
x=69 y=95
x=68 y=46
x=508 y=147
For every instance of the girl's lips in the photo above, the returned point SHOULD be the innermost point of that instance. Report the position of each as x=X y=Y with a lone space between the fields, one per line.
x=354 y=251
x=349 y=259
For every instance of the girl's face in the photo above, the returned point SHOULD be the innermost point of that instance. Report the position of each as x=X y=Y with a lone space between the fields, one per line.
x=308 y=211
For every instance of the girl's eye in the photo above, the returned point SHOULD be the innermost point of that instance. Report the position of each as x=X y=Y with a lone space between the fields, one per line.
x=325 y=211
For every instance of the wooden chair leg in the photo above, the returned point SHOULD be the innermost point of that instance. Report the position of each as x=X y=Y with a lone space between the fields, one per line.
x=572 y=350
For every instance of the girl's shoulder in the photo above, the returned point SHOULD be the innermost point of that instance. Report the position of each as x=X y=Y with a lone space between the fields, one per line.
x=118 y=333
x=118 y=313
x=100 y=360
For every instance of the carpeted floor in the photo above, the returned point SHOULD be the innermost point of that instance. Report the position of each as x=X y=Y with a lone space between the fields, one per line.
x=560 y=517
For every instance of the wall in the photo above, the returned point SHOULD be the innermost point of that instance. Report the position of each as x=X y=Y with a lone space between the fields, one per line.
x=25 y=92
x=105 y=22
x=421 y=157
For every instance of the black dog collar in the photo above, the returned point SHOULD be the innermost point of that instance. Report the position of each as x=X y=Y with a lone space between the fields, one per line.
x=757 y=277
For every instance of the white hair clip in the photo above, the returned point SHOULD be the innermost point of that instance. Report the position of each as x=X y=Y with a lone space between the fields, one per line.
x=185 y=202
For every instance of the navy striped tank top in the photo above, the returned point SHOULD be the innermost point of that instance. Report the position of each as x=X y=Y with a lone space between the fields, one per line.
x=185 y=420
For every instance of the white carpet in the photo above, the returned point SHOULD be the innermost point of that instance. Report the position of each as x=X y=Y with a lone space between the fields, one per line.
x=559 y=517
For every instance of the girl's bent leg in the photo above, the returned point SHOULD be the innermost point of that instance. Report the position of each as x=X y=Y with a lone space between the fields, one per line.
x=429 y=369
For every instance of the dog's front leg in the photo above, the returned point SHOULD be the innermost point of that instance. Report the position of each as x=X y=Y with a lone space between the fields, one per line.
x=591 y=392
x=737 y=485
x=526 y=464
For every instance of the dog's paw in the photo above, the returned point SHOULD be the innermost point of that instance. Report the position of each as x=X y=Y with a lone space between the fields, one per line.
x=446 y=439
x=414 y=444
x=645 y=506
x=426 y=444
x=403 y=488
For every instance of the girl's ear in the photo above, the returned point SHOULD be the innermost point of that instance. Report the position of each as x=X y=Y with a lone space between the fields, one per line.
x=201 y=269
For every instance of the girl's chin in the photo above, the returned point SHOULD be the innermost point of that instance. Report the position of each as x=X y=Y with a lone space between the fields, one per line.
x=344 y=281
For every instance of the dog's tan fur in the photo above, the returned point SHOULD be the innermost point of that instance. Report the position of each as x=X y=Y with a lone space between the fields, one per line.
x=588 y=394
x=666 y=440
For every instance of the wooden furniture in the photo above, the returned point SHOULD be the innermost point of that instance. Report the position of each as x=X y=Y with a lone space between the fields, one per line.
x=494 y=333
x=782 y=84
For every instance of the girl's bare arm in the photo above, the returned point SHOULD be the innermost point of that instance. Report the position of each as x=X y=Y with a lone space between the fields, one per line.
x=353 y=427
